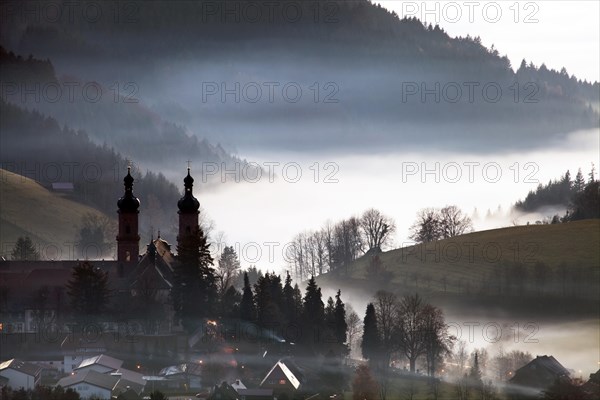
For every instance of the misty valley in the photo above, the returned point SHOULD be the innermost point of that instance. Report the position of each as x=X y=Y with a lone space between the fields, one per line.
x=299 y=200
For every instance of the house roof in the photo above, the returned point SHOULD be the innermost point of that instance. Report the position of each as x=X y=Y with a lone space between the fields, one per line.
x=80 y=344
x=238 y=384
x=539 y=373
x=124 y=385
x=102 y=359
x=91 y=377
x=130 y=375
x=281 y=371
x=547 y=362
x=21 y=366
x=180 y=369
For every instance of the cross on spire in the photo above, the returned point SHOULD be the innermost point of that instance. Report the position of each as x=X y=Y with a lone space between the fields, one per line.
x=188 y=163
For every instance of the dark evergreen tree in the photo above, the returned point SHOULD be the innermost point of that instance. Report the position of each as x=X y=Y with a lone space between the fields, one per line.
x=298 y=301
x=585 y=204
x=289 y=306
x=579 y=183
x=24 y=250
x=330 y=313
x=247 y=308
x=371 y=340
x=341 y=327
x=230 y=303
x=268 y=297
x=313 y=313
x=194 y=292
x=88 y=290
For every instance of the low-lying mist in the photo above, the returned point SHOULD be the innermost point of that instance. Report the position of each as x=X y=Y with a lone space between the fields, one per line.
x=301 y=191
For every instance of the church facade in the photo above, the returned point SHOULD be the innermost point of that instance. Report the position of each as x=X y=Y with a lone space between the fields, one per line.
x=144 y=279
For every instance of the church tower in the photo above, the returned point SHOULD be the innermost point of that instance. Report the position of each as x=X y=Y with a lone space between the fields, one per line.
x=128 y=239
x=188 y=210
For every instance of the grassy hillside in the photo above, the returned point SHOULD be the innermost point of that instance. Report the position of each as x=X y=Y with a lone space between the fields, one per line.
x=500 y=266
x=49 y=219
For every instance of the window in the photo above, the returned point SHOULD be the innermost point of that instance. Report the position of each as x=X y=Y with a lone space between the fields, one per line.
x=282 y=381
x=127 y=229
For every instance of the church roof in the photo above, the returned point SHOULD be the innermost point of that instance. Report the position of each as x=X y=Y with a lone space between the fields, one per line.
x=155 y=266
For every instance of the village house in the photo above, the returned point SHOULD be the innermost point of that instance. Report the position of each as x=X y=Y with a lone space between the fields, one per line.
x=102 y=376
x=21 y=374
x=281 y=380
x=540 y=373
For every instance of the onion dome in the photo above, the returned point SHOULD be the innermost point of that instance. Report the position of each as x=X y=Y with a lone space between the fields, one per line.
x=128 y=203
x=188 y=203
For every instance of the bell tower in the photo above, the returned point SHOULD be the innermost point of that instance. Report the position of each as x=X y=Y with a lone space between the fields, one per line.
x=128 y=238
x=188 y=210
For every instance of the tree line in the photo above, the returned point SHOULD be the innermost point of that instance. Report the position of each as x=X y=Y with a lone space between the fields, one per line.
x=579 y=196
x=336 y=245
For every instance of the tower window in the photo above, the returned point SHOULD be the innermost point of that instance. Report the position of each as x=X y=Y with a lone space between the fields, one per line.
x=127 y=229
x=188 y=229
x=127 y=256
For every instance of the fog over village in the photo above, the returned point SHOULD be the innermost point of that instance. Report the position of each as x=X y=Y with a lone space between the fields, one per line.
x=316 y=199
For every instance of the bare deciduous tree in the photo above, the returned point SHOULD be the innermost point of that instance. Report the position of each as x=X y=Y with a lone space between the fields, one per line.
x=433 y=224
x=427 y=227
x=377 y=229
x=411 y=329
x=229 y=266
x=354 y=329
x=454 y=222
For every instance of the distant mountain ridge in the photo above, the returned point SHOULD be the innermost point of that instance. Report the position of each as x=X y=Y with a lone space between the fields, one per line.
x=112 y=116
x=375 y=65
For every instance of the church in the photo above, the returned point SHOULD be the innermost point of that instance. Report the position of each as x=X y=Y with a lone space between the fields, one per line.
x=148 y=277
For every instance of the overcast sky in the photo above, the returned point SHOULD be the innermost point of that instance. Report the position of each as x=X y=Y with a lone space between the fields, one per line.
x=558 y=33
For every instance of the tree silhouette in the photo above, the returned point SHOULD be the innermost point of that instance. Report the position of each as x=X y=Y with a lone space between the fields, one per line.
x=88 y=290
x=228 y=267
x=371 y=341
x=24 y=250
x=313 y=313
x=247 y=308
x=377 y=229
x=194 y=292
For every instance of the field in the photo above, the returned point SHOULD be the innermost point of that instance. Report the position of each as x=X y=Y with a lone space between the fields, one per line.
x=50 y=219
x=496 y=265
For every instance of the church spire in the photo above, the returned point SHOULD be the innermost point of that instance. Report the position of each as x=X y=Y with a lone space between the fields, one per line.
x=188 y=204
x=128 y=238
x=128 y=203
x=189 y=207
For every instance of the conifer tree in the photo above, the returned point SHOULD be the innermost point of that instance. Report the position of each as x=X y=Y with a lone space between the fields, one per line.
x=194 y=292
x=371 y=341
x=247 y=307
x=24 y=250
